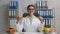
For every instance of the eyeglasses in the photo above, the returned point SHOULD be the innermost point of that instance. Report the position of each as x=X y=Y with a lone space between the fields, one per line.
x=31 y=9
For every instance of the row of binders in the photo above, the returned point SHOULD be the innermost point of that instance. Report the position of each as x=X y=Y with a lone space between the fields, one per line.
x=47 y=22
x=12 y=13
x=41 y=4
x=13 y=23
x=45 y=13
x=13 y=4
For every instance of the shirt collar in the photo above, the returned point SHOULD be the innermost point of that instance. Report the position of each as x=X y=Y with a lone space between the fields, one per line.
x=31 y=17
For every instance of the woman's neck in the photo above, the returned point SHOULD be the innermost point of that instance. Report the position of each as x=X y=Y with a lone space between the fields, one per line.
x=31 y=15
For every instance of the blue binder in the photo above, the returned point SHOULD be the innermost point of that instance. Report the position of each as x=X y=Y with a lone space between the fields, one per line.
x=13 y=5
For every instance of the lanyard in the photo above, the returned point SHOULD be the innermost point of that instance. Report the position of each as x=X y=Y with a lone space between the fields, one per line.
x=30 y=20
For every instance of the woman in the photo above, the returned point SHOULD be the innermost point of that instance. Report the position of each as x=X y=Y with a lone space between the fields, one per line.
x=30 y=23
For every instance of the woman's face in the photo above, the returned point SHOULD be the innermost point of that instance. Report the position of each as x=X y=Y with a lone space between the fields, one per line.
x=31 y=10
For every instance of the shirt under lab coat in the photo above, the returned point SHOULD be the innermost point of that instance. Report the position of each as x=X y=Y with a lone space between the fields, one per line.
x=32 y=25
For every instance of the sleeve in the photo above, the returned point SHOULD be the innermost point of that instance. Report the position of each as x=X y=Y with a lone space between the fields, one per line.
x=40 y=26
x=19 y=26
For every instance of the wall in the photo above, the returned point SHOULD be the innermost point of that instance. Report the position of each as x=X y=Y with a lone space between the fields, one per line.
x=57 y=15
x=3 y=16
x=4 y=24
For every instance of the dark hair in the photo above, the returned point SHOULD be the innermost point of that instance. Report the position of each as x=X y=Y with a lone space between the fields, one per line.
x=32 y=6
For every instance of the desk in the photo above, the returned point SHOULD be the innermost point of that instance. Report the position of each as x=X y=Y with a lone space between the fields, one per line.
x=32 y=33
x=28 y=33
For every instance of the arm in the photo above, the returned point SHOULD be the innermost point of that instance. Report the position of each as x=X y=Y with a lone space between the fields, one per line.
x=40 y=26
x=18 y=19
x=41 y=19
x=19 y=26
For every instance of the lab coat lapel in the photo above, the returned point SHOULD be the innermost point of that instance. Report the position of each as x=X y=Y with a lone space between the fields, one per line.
x=30 y=20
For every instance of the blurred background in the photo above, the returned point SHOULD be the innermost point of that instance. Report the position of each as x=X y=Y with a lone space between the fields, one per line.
x=4 y=24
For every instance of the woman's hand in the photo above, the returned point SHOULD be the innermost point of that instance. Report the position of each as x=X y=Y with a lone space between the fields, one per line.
x=19 y=18
x=41 y=19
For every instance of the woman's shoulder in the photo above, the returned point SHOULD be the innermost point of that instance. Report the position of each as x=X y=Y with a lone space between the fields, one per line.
x=24 y=18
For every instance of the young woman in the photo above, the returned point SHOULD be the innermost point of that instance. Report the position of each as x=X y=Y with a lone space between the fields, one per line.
x=29 y=23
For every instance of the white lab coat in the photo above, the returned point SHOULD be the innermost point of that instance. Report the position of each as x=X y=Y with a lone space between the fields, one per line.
x=29 y=26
